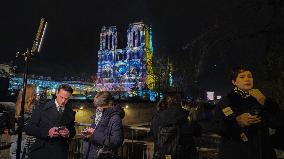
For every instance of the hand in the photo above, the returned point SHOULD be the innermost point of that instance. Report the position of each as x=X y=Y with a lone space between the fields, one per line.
x=256 y=93
x=53 y=132
x=88 y=132
x=246 y=119
x=64 y=132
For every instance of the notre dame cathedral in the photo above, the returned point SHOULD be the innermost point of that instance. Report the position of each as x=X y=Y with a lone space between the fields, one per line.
x=121 y=69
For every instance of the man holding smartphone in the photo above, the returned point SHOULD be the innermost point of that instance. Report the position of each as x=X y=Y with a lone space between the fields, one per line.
x=53 y=125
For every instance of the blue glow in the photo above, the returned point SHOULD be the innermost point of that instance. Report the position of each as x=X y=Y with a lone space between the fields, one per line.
x=50 y=86
x=151 y=44
x=120 y=71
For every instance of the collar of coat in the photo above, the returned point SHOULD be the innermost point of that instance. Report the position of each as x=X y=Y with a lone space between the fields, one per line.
x=242 y=93
x=52 y=105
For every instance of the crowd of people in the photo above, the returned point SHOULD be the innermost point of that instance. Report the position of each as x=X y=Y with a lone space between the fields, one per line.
x=245 y=119
x=49 y=127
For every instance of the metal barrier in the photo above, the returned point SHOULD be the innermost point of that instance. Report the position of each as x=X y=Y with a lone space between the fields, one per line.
x=131 y=148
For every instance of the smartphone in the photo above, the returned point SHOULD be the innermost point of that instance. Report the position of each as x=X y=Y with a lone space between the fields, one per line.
x=61 y=128
x=84 y=132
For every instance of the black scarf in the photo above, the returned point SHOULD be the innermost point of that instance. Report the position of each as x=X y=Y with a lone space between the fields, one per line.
x=242 y=93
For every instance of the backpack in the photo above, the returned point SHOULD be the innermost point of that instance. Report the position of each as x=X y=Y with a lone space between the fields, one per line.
x=168 y=142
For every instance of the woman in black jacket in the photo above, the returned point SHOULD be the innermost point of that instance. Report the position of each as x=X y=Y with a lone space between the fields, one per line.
x=107 y=126
x=243 y=119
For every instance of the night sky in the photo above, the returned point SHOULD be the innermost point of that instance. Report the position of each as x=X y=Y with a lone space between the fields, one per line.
x=72 y=38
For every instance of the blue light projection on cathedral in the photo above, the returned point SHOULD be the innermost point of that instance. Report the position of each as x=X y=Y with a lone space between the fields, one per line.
x=126 y=68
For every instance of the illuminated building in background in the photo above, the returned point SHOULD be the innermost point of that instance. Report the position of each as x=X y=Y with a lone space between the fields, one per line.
x=124 y=69
x=82 y=90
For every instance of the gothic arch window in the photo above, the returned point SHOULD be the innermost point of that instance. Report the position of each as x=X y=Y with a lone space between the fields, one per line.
x=139 y=38
x=132 y=54
x=133 y=38
x=107 y=57
x=119 y=57
x=106 y=41
x=110 y=41
x=108 y=73
x=104 y=74
x=125 y=57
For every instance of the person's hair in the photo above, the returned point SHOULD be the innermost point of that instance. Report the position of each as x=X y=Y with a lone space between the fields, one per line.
x=65 y=87
x=161 y=105
x=173 y=99
x=103 y=98
x=30 y=99
x=237 y=70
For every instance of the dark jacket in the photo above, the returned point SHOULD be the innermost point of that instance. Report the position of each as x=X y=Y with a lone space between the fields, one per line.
x=109 y=132
x=175 y=116
x=43 y=118
x=252 y=142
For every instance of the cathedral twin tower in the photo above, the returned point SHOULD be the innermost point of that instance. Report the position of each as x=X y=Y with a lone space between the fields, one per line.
x=123 y=69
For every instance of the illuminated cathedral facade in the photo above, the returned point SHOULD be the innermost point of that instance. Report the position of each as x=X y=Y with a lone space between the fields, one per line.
x=122 y=69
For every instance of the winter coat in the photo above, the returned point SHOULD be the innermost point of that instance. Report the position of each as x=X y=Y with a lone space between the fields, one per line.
x=43 y=119
x=251 y=142
x=175 y=115
x=109 y=132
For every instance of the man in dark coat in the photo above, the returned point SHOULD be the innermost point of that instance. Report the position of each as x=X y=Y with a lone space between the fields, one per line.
x=243 y=119
x=53 y=125
x=107 y=126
